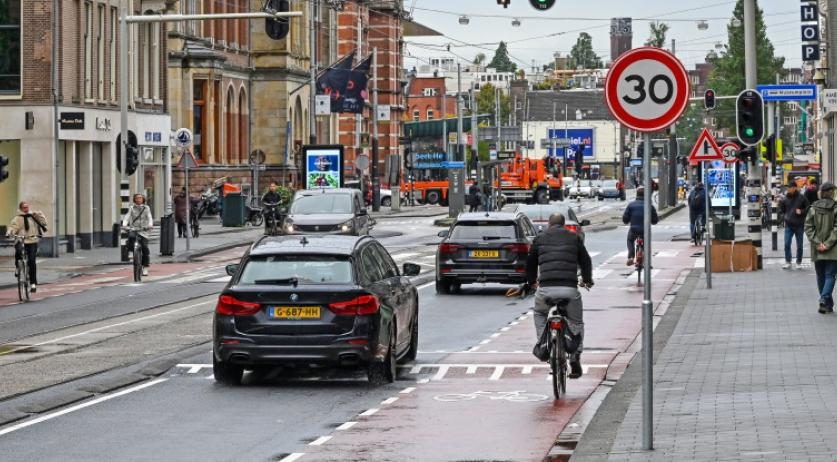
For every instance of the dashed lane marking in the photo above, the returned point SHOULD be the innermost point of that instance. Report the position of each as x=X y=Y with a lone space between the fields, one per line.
x=346 y=426
x=389 y=401
x=319 y=441
x=369 y=412
x=292 y=457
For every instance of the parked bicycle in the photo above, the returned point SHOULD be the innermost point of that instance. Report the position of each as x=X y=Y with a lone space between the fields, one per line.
x=22 y=269
x=255 y=215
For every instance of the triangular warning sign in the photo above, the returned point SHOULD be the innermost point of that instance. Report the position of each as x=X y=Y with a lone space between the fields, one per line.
x=705 y=148
x=187 y=160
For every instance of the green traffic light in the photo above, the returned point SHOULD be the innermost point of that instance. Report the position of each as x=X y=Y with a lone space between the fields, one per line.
x=749 y=131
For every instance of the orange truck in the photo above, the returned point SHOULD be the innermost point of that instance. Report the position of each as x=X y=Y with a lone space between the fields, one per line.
x=521 y=180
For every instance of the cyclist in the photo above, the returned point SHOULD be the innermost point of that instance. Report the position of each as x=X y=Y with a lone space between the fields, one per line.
x=697 y=206
x=30 y=226
x=557 y=255
x=139 y=218
x=271 y=199
x=634 y=216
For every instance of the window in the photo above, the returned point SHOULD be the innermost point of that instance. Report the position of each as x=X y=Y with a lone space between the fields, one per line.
x=429 y=92
x=388 y=267
x=483 y=230
x=114 y=24
x=87 y=49
x=100 y=54
x=154 y=40
x=429 y=114
x=416 y=115
x=10 y=57
x=306 y=269
x=198 y=116
x=370 y=269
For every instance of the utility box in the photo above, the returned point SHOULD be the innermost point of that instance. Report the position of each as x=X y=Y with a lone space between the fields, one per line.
x=724 y=228
x=233 y=213
x=167 y=235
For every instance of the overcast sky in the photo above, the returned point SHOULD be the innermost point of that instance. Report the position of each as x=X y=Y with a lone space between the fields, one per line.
x=593 y=16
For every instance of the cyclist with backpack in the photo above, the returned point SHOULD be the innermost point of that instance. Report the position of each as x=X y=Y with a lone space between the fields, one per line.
x=697 y=206
x=634 y=216
x=139 y=218
x=30 y=226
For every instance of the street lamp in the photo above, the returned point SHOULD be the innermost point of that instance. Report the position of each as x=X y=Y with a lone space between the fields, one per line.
x=702 y=25
x=464 y=20
x=515 y=22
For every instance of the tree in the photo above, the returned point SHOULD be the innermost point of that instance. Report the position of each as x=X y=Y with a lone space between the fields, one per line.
x=582 y=54
x=501 y=61
x=479 y=59
x=658 y=34
x=727 y=77
x=486 y=102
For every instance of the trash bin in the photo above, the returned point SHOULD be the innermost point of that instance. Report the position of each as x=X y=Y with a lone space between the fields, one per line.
x=724 y=228
x=233 y=213
x=167 y=235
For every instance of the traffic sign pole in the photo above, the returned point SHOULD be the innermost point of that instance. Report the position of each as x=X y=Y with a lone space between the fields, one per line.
x=707 y=262
x=647 y=310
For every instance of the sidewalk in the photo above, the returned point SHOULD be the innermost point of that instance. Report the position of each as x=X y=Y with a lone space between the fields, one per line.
x=748 y=373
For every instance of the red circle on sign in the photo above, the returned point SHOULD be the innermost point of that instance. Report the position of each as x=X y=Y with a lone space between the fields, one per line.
x=682 y=89
x=730 y=145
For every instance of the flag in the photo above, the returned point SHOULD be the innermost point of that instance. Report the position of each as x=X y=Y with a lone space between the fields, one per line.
x=356 y=92
x=333 y=81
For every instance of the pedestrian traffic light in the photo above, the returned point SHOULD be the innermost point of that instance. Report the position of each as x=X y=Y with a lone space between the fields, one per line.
x=709 y=99
x=132 y=157
x=749 y=117
x=277 y=29
x=4 y=162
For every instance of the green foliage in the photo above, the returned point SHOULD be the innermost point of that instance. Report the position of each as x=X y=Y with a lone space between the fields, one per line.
x=501 y=61
x=479 y=59
x=582 y=53
x=486 y=102
x=728 y=76
x=658 y=32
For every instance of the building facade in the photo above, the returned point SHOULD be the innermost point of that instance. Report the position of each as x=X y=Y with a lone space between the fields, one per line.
x=59 y=115
x=426 y=99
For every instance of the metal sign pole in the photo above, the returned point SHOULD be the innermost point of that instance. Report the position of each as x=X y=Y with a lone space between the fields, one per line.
x=188 y=205
x=647 y=310
x=708 y=244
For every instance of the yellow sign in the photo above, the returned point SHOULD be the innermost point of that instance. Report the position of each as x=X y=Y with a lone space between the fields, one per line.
x=778 y=149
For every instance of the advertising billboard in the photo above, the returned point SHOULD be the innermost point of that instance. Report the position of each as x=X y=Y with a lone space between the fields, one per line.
x=323 y=166
x=721 y=181
x=576 y=136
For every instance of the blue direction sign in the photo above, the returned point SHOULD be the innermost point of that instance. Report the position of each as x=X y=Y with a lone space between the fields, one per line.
x=453 y=164
x=788 y=92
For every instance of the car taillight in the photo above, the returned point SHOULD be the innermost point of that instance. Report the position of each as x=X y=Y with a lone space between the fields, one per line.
x=572 y=228
x=364 y=304
x=517 y=248
x=449 y=248
x=231 y=306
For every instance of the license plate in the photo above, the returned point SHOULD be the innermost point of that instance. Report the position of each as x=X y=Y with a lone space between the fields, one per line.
x=484 y=253
x=295 y=312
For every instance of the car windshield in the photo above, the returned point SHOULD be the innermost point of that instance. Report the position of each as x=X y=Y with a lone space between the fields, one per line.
x=542 y=213
x=297 y=269
x=609 y=184
x=322 y=203
x=484 y=230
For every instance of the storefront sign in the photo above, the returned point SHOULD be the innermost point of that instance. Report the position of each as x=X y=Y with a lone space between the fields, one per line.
x=153 y=137
x=323 y=166
x=103 y=124
x=72 y=121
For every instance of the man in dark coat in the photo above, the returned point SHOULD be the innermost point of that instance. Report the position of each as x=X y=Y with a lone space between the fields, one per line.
x=793 y=208
x=697 y=206
x=180 y=211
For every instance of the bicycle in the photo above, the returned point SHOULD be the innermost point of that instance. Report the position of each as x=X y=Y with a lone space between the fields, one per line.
x=639 y=255
x=271 y=214
x=700 y=230
x=559 y=338
x=136 y=253
x=22 y=270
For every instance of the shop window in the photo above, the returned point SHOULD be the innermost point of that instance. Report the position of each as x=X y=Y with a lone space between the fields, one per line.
x=429 y=114
x=88 y=50
x=10 y=56
x=100 y=52
x=199 y=116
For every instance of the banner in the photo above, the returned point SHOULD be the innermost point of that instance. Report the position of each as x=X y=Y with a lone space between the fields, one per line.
x=334 y=80
x=577 y=136
x=356 y=92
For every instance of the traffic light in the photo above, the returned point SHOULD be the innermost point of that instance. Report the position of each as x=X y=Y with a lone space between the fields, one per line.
x=132 y=158
x=505 y=3
x=408 y=158
x=749 y=117
x=770 y=145
x=4 y=162
x=709 y=99
x=542 y=4
x=640 y=150
x=277 y=29
x=579 y=159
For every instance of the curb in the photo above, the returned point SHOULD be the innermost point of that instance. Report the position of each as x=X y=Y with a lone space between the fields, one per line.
x=186 y=257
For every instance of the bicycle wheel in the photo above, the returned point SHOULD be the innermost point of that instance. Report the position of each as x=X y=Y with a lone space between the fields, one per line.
x=558 y=365
x=22 y=281
x=137 y=264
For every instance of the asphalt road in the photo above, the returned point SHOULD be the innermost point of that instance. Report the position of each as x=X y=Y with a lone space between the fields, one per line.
x=185 y=415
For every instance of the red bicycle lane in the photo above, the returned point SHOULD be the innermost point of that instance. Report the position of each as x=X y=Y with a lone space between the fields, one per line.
x=494 y=401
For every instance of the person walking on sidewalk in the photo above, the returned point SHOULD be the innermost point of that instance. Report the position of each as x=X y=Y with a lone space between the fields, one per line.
x=139 y=218
x=793 y=209
x=635 y=217
x=31 y=226
x=180 y=213
x=473 y=197
x=697 y=206
x=552 y=265
x=821 y=231
x=811 y=191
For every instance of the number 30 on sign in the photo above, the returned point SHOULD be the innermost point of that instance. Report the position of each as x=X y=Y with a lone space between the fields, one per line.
x=647 y=89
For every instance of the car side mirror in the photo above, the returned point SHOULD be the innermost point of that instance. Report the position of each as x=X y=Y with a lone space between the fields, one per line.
x=411 y=269
x=585 y=222
x=232 y=269
x=444 y=233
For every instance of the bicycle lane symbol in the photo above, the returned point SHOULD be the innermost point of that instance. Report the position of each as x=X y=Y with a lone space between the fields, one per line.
x=517 y=396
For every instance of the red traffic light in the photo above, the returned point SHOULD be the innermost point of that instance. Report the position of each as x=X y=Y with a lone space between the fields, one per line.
x=709 y=99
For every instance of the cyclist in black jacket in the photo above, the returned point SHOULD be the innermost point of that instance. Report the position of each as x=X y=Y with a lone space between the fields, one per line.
x=552 y=264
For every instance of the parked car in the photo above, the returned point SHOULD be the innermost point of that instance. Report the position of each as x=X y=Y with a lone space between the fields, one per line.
x=584 y=188
x=610 y=190
x=539 y=215
x=322 y=300
x=569 y=183
x=386 y=194
x=483 y=247
x=327 y=211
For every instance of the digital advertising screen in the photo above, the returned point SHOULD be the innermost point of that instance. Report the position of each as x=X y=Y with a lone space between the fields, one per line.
x=323 y=166
x=721 y=184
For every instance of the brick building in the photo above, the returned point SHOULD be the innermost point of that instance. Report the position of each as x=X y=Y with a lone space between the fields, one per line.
x=78 y=189
x=425 y=99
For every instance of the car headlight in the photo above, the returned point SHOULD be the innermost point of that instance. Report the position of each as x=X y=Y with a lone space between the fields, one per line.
x=288 y=225
x=347 y=226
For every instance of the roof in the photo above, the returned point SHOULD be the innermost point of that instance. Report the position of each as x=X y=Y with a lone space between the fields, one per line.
x=591 y=102
x=314 y=244
x=314 y=192
x=486 y=216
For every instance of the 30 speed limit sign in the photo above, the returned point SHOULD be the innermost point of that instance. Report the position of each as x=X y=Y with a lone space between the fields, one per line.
x=647 y=89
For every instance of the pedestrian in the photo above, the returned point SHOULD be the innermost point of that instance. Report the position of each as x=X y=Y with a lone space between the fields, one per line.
x=821 y=231
x=31 y=226
x=473 y=197
x=793 y=209
x=180 y=211
x=697 y=206
x=811 y=191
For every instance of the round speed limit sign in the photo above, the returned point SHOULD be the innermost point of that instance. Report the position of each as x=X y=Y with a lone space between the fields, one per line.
x=730 y=152
x=647 y=89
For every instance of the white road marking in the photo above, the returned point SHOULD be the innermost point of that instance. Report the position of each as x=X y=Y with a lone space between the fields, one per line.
x=404 y=255
x=109 y=326
x=369 y=412
x=346 y=425
x=505 y=329
x=389 y=401
x=495 y=335
x=471 y=370
x=407 y=390
x=440 y=374
x=485 y=341
x=667 y=253
x=473 y=349
x=77 y=407
x=223 y=279
x=194 y=368
x=700 y=263
x=526 y=370
x=423 y=381
x=498 y=372
x=319 y=441
x=594 y=254
x=601 y=273
x=292 y=457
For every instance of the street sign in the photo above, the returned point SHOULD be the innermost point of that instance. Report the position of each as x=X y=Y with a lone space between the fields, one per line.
x=257 y=157
x=547 y=143
x=505 y=155
x=453 y=164
x=730 y=152
x=187 y=160
x=829 y=100
x=384 y=111
x=788 y=92
x=362 y=162
x=647 y=89
x=322 y=105
x=183 y=138
x=706 y=148
x=492 y=151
